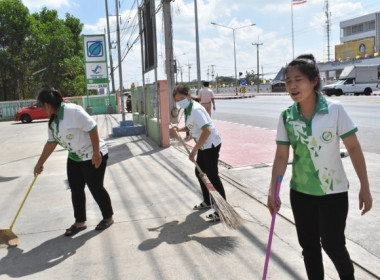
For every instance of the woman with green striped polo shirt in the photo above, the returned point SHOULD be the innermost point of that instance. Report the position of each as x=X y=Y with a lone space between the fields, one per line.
x=313 y=126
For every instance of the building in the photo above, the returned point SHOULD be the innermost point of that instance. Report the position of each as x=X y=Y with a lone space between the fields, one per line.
x=359 y=44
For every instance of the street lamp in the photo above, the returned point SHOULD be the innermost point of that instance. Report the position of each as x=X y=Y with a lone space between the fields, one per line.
x=233 y=33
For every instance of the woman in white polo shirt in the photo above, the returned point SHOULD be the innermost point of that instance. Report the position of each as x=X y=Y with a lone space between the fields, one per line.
x=71 y=127
x=207 y=147
x=313 y=126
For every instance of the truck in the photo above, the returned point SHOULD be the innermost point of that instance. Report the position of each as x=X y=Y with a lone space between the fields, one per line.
x=355 y=79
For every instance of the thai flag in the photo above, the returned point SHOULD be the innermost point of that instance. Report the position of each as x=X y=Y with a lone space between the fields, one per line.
x=298 y=2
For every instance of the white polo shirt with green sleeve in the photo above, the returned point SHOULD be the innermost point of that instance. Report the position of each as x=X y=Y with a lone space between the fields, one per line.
x=317 y=167
x=196 y=118
x=71 y=130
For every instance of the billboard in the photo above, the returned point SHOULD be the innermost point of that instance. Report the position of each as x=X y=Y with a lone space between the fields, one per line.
x=95 y=60
x=355 y=49
x=148 y=17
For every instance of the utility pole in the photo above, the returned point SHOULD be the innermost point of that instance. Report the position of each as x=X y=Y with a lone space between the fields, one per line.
x=208 y=73
x=258 y=69
x=197 y=46
x=110 y=47
x=212 y=72
x=180 y=70
x=169 y=62
x=189 y=67
x=328 y=28
x=121 y=88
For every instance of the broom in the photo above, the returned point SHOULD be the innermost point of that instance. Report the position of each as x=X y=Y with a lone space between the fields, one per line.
x=7 y=236
x=228 y=216
x=279 y=179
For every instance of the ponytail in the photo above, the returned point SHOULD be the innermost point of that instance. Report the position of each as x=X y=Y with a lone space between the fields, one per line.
x=52 y=97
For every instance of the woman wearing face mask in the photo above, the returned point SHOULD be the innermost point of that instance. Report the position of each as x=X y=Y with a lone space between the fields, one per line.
x=208 y=143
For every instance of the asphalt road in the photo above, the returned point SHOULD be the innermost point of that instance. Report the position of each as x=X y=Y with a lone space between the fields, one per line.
x=263 y=111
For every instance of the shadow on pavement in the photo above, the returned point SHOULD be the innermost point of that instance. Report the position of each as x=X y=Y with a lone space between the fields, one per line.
x=176 y=232
x=274 y=257
x=18 y=263
x=6 y=179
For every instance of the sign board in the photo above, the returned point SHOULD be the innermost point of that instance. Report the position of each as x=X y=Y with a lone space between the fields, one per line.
x=243 y=82
x=95 y=60
x=355 y=49
x=97 y=70
x=97 y=86
x=94 y=48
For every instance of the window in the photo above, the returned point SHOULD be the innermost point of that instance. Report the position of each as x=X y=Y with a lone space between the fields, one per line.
x=357 y=28
x=346 y=31
x=372 y=25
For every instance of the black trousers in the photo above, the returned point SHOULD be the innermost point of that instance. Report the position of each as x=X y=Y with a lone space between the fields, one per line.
x=320 y=222
x=207 y=160
x=81 y=173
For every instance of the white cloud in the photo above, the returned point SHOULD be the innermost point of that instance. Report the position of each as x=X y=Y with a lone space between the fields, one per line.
x=51 y=4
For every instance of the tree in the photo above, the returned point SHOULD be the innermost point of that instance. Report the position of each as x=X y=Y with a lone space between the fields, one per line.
x=60 y=51
x=251 y=77
x=39 y=50
x=14 y=30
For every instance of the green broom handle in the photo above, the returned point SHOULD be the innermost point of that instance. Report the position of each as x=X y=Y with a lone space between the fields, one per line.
x=22 y=204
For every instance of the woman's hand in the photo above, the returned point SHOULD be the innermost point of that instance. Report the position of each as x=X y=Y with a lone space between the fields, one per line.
x=272 y=205
x=192 y=155
x=96 y=159
x=38 y=169
x=365 y=200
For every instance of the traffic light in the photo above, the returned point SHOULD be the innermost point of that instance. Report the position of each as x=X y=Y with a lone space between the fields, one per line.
x=240 y=74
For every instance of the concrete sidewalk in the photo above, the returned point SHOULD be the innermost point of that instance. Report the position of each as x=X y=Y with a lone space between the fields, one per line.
x=156 y=234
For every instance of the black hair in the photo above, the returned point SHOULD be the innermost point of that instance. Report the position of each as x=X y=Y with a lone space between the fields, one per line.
x=50 y=96
x=181 y=89
x=306 y=64
x=206 y=84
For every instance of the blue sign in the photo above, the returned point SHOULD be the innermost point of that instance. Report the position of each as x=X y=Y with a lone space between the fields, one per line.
x=243 y=82
x=95 y=48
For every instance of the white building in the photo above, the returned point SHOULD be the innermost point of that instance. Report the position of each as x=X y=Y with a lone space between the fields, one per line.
x=359 y=44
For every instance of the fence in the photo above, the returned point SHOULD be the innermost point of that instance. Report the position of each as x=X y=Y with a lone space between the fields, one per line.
x=100 y=104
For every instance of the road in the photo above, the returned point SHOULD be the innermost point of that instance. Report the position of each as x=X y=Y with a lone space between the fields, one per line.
x=263 y=111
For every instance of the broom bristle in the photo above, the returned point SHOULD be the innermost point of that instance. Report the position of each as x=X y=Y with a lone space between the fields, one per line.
x=8 y=238
x=228 y=216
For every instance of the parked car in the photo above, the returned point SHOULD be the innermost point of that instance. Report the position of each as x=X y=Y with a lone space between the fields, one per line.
x=31 y=113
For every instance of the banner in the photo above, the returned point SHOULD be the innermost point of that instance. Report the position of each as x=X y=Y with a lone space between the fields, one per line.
x=355 y=49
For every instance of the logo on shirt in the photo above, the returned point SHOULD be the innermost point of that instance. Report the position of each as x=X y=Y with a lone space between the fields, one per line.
x=69 y=136
x=327 y=136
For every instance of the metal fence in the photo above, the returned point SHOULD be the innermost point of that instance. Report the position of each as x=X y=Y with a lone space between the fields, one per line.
x=99 y=104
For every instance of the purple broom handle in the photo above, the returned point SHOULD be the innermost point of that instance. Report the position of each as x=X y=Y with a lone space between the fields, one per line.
x=279 y=179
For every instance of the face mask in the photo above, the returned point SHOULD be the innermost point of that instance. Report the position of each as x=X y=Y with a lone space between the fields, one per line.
x=184 y=103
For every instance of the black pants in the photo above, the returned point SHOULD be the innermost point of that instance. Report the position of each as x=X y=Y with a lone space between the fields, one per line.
x=207 y=160
x=81 y=173
x=322 y=220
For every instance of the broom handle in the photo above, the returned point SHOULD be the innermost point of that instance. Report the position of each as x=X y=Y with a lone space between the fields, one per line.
x=188 y=151
x=279 y=179
x=22 y=204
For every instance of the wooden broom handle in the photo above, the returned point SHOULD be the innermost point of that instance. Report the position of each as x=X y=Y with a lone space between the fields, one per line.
x=188 y=151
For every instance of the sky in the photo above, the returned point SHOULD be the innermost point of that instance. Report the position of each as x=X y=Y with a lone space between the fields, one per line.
x=272 y=29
